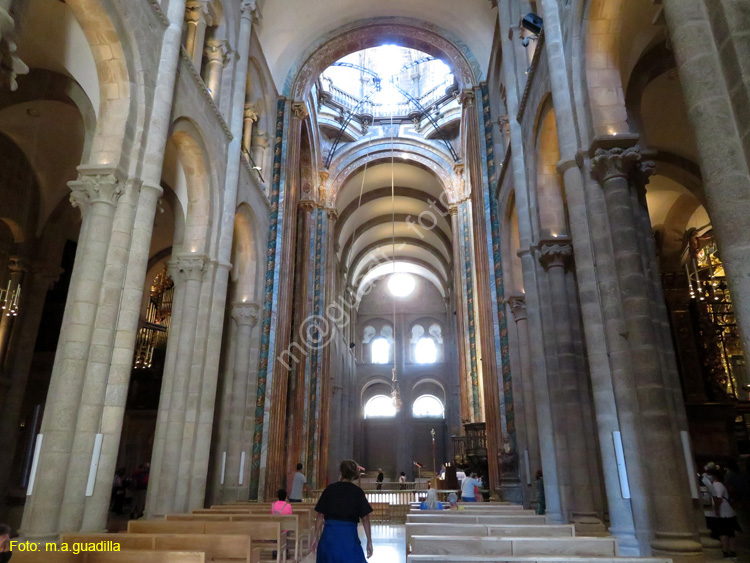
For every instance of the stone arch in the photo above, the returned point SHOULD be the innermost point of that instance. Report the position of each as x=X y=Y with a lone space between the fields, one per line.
x=245 y=253
x=549 y=195
x=605 y=67
x=351 y=162
x=117 y=63
x=198 y=198
x=363 y=34
x=511 y=241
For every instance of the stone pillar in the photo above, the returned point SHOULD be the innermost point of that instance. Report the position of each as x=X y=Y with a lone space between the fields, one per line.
x=10 y=65
x=187 y=272
x=96 y=192
x=576 y=481
x=517 y=305
x=663 y=466
x=249 y=116
x=458 y=293
x=217 y=57
x=724 y=165
x=277 y=394
x=38 y=280
x=242 y=401
x=199 y=14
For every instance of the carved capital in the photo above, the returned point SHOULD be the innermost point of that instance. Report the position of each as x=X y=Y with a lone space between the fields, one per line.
x=307 y=205
x=246 y=314
x=187 y=267
x=299 y=110
x=200 y=11
x=453 y=209
x=517 y=304
x=614 y=163
x=333 y=214
x=10 y=64
x=467 y=98
x=249 y=9
x=554 y=254
x=217 y=51
x=95 y=185
x=251 y=112
x=19 y=264
x=45 y=274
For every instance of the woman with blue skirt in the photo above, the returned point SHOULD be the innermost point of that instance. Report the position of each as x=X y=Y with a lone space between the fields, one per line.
x=339 y=510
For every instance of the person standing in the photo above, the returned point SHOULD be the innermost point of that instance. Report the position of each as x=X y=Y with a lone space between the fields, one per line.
x=340 y=508
x=379 y=479
x=299 y=485
x=140 y=484
x=726 y=517
x=402 y=480
x=467 y=488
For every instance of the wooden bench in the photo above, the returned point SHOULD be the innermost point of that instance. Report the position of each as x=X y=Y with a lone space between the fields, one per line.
x=479 y=505
x=466 y=530
x=460 y=545
x=216 y=547
x=289 y=522
x=307 y=515
x=463 y=518
x=268 y=536
x=135 y=556
x=473 y=512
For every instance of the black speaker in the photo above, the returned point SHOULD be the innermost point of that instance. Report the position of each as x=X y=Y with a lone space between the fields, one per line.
x=532 y=23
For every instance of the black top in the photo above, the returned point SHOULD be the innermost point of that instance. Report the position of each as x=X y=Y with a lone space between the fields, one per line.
x=343 y=501
x=380 y=477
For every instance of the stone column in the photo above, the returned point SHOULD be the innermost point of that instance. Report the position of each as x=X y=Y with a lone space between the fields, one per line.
x=249 y=116
x=668 y=497
x=576 y=481
x=724 y=165
x=458 y=292
x=96 y=192
x=277 y=394
x=199 y=14
x=242 y=400
x=10 y=65
x=217 y=57
x=517 y=305
x=187 y=272
x=38 y=281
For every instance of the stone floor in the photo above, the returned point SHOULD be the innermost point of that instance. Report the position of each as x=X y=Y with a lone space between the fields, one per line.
x=388 y=542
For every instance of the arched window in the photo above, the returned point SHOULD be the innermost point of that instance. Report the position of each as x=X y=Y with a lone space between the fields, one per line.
x=428 y=406
x=380 y=406
x=425 y=351
x=380 y=351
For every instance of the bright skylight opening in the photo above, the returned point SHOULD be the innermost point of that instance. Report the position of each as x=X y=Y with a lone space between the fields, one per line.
x=380 y=406
x=380 y=351
x=428 y=406
x=382 y=75
x=401 y=284
x=425 y=352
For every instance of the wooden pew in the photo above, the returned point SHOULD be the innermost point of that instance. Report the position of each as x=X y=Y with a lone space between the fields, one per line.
x=463 y=518
x=216 y=547
x=135 y=556
x=480 y=505
x=503 y=547
x=265 y=534
x=429 y=529
x=307 y=514
x=289 y=522
x=472 y=511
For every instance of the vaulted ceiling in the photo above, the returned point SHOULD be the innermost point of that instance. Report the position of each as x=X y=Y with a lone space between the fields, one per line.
x=412 y=225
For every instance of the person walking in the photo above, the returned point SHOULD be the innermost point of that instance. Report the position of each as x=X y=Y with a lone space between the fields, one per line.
x=379 y=479
x=299 y=485
x=340 y=508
